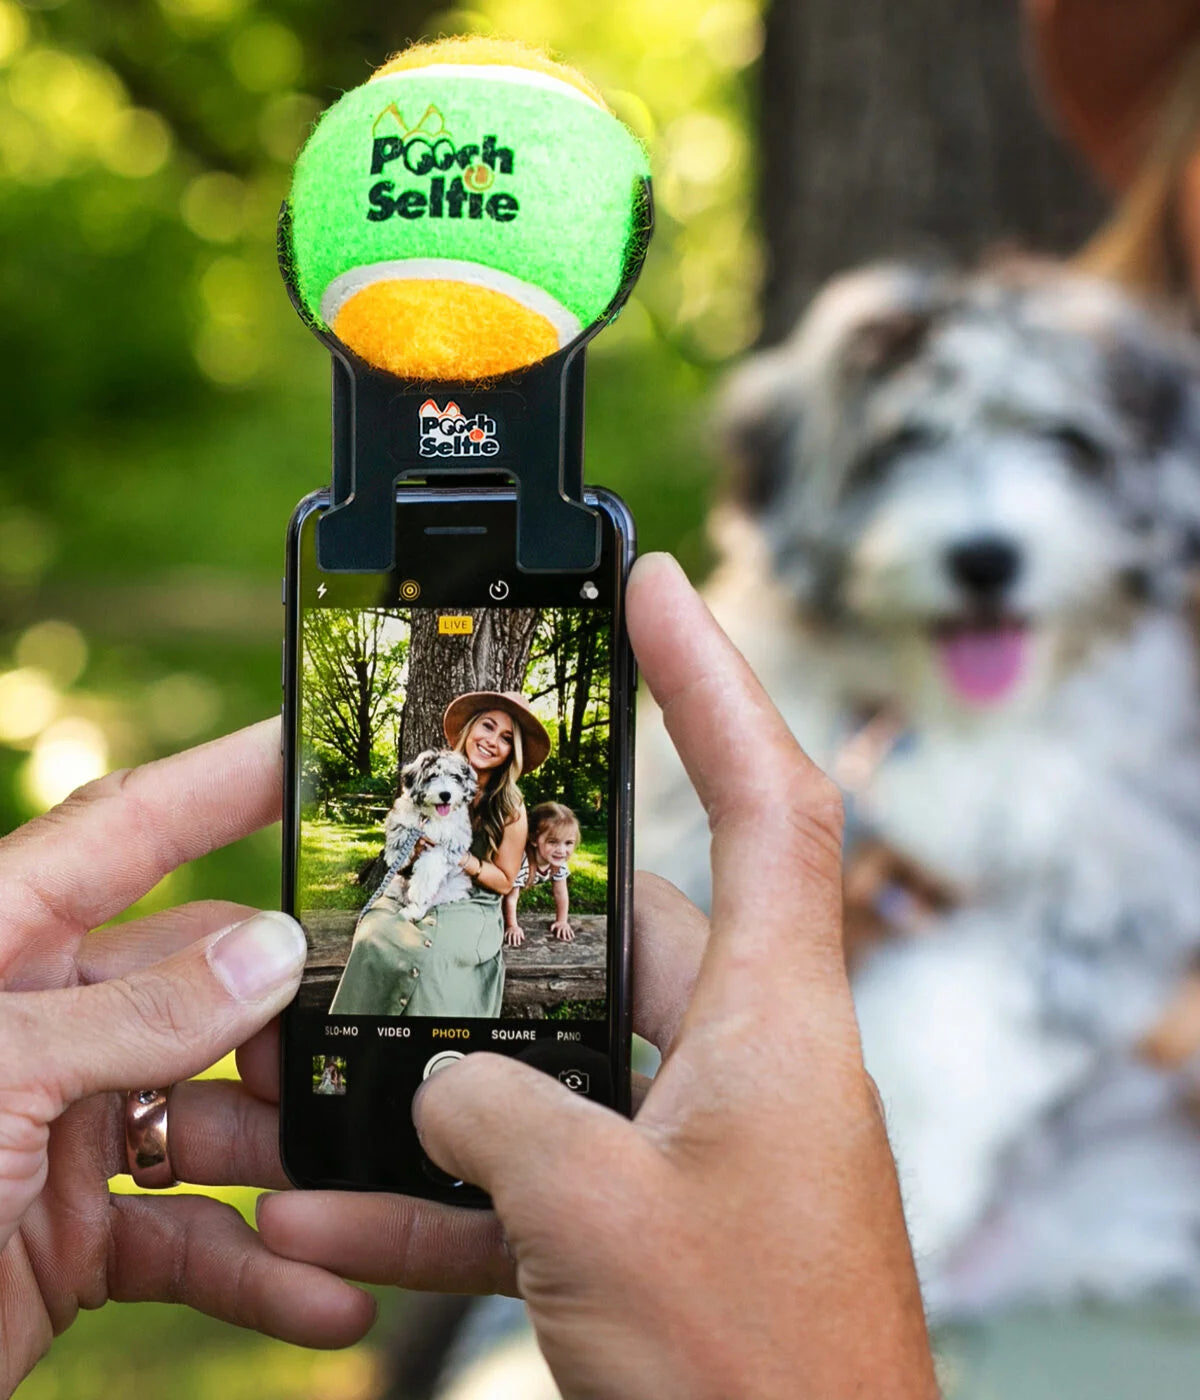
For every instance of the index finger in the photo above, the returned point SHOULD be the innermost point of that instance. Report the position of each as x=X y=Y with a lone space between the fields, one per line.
x=775 y=817
x=112 y=840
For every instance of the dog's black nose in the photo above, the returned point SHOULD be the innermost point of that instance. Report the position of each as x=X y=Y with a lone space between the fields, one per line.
x=443 y=797
x=985 y=565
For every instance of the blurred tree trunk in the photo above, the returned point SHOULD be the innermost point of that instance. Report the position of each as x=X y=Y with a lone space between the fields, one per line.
x=900 y=129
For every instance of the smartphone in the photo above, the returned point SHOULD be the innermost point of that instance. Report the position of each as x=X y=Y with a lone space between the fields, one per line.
x=424 y=710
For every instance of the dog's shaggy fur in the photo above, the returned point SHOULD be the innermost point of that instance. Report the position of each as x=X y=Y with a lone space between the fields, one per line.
x=969 y=503
x=436 y=789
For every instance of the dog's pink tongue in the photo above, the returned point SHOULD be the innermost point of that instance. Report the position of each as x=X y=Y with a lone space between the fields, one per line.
x=442 y=809
x=983 y=663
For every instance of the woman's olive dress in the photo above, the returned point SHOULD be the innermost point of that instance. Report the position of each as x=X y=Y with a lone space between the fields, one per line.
x=447 y=964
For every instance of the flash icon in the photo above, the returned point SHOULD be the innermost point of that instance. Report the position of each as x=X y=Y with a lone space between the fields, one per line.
x=321 y=590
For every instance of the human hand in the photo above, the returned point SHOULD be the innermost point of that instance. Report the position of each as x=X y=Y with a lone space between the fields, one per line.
x=422 y=845
x=514 y=936
x=84 y=1015
x=744 y=1235
x=563 y=931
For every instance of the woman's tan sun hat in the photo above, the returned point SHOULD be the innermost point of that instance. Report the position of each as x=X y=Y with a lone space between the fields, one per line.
x=537 y=741
x=1109 y=66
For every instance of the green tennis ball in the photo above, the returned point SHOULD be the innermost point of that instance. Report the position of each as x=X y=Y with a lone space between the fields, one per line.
x=467 y=211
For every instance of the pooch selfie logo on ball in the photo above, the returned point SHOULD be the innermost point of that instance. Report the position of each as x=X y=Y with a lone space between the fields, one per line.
x=448 y=432
x=428 y=150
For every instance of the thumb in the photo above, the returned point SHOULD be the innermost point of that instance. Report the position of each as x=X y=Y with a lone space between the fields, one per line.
x=516 y=1132
x=165 y=1022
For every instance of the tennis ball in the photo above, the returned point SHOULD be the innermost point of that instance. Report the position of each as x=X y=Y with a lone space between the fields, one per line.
x=467 y=211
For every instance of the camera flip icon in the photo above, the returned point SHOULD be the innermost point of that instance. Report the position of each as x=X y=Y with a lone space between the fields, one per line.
x=576 y=1080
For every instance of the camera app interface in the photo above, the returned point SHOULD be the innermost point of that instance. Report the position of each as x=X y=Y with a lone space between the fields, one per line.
x=456 y=750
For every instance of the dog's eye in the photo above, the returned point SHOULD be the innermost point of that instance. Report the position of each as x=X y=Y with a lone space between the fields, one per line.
x=872 y=464
x=1081 y=449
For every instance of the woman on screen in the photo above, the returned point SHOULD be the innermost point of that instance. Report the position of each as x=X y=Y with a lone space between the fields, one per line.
x=449 y=962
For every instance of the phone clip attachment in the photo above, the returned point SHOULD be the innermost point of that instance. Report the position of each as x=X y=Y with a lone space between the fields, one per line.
x=526 y=424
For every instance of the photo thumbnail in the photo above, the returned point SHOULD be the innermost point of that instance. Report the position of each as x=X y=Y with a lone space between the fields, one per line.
x=328 y=1074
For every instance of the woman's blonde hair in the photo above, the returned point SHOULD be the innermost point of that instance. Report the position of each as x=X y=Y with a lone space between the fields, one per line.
x=501 y=801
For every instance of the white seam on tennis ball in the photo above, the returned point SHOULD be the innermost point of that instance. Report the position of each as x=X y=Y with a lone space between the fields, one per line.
x=532 y=297
x=506 y=72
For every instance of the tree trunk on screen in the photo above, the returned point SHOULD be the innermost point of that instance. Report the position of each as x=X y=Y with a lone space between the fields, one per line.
x=904 y=129
x=495 y=656
x=584 y=670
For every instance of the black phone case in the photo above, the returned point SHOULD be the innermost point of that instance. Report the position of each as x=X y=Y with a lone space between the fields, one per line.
x=377 y=1124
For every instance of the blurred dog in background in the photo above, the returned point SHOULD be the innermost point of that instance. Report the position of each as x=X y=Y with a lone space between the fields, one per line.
x=965 y=509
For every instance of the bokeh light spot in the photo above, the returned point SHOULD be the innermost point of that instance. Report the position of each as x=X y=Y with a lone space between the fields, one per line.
x=20 y=146
x=230 y=291
x=634 y=112
x=57 y=648
x=732 y=33
x=73 y=97
x=68 y=754
x=213 y=207
x=202 y=13
x=701 y=147
x=27 y=545
x=182 y=706
x=137 y=145
x=266 y=57
x=285 y=123
x=28 y=702
x=228 y=355
x=14 y=30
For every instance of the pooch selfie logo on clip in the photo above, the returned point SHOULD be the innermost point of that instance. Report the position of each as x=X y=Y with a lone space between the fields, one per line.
x=448 y=432
x=428 y=149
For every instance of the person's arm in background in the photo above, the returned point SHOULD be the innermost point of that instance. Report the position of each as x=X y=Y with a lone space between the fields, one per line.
x=743 y=1236
x=514 y=934
x=172 y=993
x=500 y=873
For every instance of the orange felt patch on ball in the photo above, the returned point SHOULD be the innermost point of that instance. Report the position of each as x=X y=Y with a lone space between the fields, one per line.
x=433 y=329
x=487 y=51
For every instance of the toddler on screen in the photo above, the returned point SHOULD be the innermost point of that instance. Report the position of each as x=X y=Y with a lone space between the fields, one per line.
x=553 y=836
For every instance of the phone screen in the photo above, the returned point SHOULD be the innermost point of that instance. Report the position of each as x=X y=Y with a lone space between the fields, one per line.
x=456 y=830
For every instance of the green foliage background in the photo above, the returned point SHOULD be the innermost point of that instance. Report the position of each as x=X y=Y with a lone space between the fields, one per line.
x=163 y=410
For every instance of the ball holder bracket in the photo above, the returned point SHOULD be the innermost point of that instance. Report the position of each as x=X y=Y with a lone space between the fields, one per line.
x=526 y=424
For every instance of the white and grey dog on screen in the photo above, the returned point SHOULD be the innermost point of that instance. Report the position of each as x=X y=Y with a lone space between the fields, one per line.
x=965 y=506
x=436 y=789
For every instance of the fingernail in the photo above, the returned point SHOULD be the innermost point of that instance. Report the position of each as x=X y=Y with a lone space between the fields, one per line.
x=255 y=957
x=660 y=559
